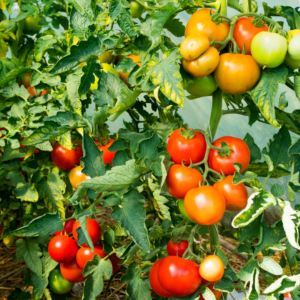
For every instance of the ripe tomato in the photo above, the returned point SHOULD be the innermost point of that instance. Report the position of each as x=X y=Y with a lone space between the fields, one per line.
x=30 y=25
x=32 y=92
x=237 y=73
x=186 y=150
x=68 y=227
x=236 y=196
x=175 y=249
x=201 y=23
x=183 y=211
x=71 y=271
x=202 y=86
x=58 y=284
x=115 y=260
x=205 y=205
x=269 y=49
x=66 y=159
x=93 y=229
x=287 y=295
x=76 y=177
x=244 y=32
x=217 y=294
x=193 y=46
x=154 y=282
x=294 y=48
x=62 y=248
x=136 y=9
x=181 y=179
x=25 y=80
x=212 y=268
x=85 y=254
x=105 y=57
x=240 y=154
x=180 y=277
x=124 y=76
x=108 y=156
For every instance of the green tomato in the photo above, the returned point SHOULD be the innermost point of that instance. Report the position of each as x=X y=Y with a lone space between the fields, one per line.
x=202 y=86
x=183 y=211
x=292 y=63
x=30 y=25
x=5 y=24
x=58 y=284
x=105 y=57
x=136 y=9
x=294 y=48
x=269 y=49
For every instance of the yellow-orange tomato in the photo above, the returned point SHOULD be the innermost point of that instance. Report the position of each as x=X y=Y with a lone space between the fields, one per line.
x=236 y=196
x=212 y=268
x=204 y=64
x=124 y=76
x=76 y=176
x=32 y=92
x=193 y=46
x=237 y=73
x=201 y=23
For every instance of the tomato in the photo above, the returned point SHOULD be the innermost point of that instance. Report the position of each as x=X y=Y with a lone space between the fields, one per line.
x=294 y=48
x=193 y=46
x=68 y=227
x=292 y=63
x=5 y=24
x=240 y=154
x=244 y=32
x=115 y=260
x=269 y=49
x=237 y=73
x=154 y=282
x=136 y=9
x=108 y=156
x=62 y=248
x=32 y=92
x=201 y=23
x=205 y=205
x=212 y=268
x=177 y=249
x=183 y=211
x=292 y=33
x=124 y=76
x=93 y=229
x=287 y=295
x=202 y=86
x=76 y=177
x=25 y=80
x=236 y=196
x=180 y=277
x=85 y=254
x=58 y=284
x=217 y=294
x=66 y=159
x=30 y=25
x=106 y=68
x=186 y=150
x=181 y=179
x=71 y=271
x=105 y=57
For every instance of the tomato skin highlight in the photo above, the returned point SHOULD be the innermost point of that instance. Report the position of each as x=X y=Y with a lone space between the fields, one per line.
x=212 y=268
x=177 y=249
x=186 y=150
x=180 y=277
x=240 y=154
x=202 y=86
x=93 y=229
x=108 y=156
x=58 y=284
x=72 y=272
x=205 y=205
x=76 y=177
x=68 y=227
x=181 y=179
x=62 y=249
x=236 y=196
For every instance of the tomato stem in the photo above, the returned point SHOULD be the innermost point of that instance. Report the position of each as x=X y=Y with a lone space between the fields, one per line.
x=214 y=237
x=216 y=112
x=189 y=251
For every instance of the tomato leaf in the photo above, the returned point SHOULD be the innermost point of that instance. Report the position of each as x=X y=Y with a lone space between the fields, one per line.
x=255 y=154
x=261 y=169
x=15 y=90
x=225 y=285
x=235 y=4
x=125 y=65
x=80 y=23
x=277 y=190
x=290 y=120
x=251 y=231
x=73 y=102
x=26 y=192
x=88 y=77
x=18 y=294
x=48 y=263
x=283 y=285
x=271 y=266
x=119 y=159
x=175 y=26
x=148 y=148
x=39 y=285
x=254 y=292
x=42 y=44
x=13 y=74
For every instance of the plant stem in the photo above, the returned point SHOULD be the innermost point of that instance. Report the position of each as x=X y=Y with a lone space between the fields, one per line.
x=216 y=112
x=223 y=10
x=249 y=6
x=214 y=237
x=189 y=251
x=232 y=253
x=266 y=180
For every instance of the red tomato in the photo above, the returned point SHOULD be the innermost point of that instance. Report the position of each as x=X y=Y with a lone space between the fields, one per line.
x=217 y=294
x=287 y=295
x=71 y=271
x=244 y=32
x=186 y=150
x=107 y=155
x=85 y=254
x=181 y=179
x=115 y=260
x=205 y=205
x=66 y=159
x=175 y=249
x=154 y=282
x=2 y=135
x=93 y=229
x=68 y=227
x=212 y=268
x=180 y=277
x=236 y=196
x=240 y=154
x=62 y=249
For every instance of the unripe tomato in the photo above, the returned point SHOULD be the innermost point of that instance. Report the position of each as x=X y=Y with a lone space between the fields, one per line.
x=204 y=65
x=72 y=272
x=68 y=227
x=180 y=277
x=292 y=33
x=217 y=293
x=66 y=159
x=237 y=73
x=32 y=92
x=292 y=63
x=136 y=9
x=201 y=23
x=30 y=25
x=202 y=86
x=181 y=179
x=85 y=254
x=58 y=284
x=105 y=57
x=205 y=205
x=76 y=177
x=244 y=32
x=5 y=24
x=177 y=249
x=240 y=154
x=294 y=48
x=269 y=49
x=93 y=229
x=108 y=156
x=193 y=46
x=25 y=80
x=183 y=211
x=236 y=196
x=124 y=76
x=62 y=249
x=212 y=268
x=186 y=150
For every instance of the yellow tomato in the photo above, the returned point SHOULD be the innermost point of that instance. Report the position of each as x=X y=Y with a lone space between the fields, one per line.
x=292 y=33
x=105 y=57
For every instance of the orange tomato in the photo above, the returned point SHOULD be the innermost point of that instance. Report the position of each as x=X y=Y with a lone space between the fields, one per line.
x=212 y=268
x=193 y=46
x=32 y=92
x=76 y=176
x=124 y=76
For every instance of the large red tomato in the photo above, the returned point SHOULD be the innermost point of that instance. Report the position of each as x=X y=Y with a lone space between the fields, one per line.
x=205 y=205
x=240 y=154
x=93 y=229
x=85 y=254
x=66 y=159
x=212 y=268
x=177 y=249
x=68 y=227
x=71 y=271
x=236 y=196
x=107 y=155
x=62 y=249
x=217 y=293
x=186 y=150
x=180 y=277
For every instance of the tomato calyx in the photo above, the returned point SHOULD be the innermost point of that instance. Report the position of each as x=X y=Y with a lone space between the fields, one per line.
x=258 y=22
x=187 y=133
x=225 y=150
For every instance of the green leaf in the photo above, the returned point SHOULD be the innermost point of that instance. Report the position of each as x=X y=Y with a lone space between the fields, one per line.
x=264 y=93
x=15 y=90
x=148 y=148
x=83 y=6
x=10 y=153
x=13 y=74
x=235 y=4
x=223 y=256
x=73 y=103
x=65 y=140
x=255 y=154
x=283 y=285
x=119 y=159
x=83 y=234
x=175 y=26
x=247 y=177
x=18 y=294
x=271 y=266
x=283 y=103
x=109 y=237
x=125 y=65
x=261 y=169
x=277 y=190
x=42 y=44
x=27 y=192
x=225 y=285
x=88 y=77
x=245 y=274
x=164 y=130
x=80 y=23
x=297 y=86
x=48 y=263
x=254 y=292
x=131 y=215
x=39 y=284
x=251 y=231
